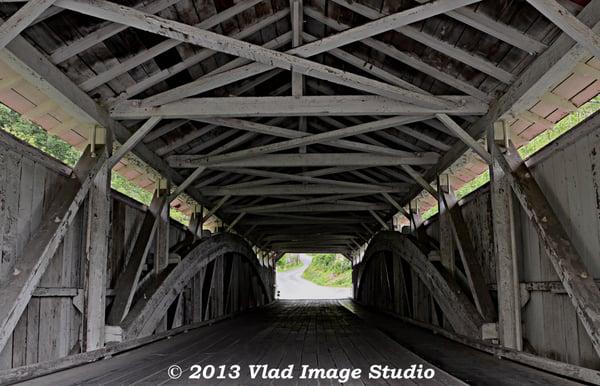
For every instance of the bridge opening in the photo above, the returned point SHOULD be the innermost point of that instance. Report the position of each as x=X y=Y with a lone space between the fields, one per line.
x=313 y=276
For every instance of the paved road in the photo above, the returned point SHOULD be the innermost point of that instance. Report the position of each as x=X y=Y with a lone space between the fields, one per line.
x=291 y=285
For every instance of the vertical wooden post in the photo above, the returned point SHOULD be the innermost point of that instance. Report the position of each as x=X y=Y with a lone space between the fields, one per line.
x=161 y=244
x=196 y=222
x=509 y=304
x=98 y=246
x=161 y=254
x=447 y=256
x=415 y=216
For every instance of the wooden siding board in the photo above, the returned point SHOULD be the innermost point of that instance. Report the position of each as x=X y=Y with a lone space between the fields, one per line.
x=571 y=179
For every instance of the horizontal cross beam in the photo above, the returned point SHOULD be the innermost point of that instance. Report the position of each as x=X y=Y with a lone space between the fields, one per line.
x=345 y=105
x=308 y=160
x=283 y=190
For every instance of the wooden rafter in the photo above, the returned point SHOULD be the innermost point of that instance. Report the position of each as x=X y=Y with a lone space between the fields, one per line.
x=450 y=50
x=24 y=17
x=567 y=22
x=265 y=57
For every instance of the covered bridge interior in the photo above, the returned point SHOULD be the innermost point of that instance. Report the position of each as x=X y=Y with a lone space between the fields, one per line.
x=300 y=126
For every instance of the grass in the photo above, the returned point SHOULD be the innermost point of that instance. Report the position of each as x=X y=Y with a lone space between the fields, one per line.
x=329 y=270
x=535 y=145
x=288 y=262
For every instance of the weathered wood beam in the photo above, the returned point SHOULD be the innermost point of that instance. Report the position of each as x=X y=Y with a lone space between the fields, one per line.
x=465 y=137
x=420 y=180
x=128 y=280
x=297 y=142
x=235 y=221
x=387 y=23
x=505 y=248
x=570 y=25
x=26 y=15
x=214 y=41
x=379 y=219
x=44 y=242
x=144 y=56
x=283 y=205
x=197 y=108
x=196 y=173
x=297 y=19
x=298 y=190
x=470 y=262
x=98 y=228
x=106 y=31
x=567 y=262
x=499 y=30
x=288 y=133
x=339 y=206
x=392 y=52
x=300 y=220
x=396 y=205
x=184 y=140
x=299 y=178
x=175 y=69
x=202 y=85
x=133 y=140
x=450 y=50
x=446 y=240
x=164 y=130
x=308 y=160
x=162 y=234
x=546 y=72
x=298 y=84
x=216 y=207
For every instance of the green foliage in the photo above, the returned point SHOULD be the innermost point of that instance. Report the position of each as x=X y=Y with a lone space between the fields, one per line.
x=535 y=145
x=328 y=269
x=12 y=122
x=37 y=137
x=288 y=262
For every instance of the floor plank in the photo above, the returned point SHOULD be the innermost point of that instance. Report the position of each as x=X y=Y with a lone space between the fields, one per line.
x=321 y=334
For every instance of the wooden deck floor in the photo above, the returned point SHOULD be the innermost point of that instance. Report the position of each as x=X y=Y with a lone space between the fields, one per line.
x=321 y=334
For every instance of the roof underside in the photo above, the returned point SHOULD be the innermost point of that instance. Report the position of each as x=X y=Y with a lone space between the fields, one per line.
x=330 y=192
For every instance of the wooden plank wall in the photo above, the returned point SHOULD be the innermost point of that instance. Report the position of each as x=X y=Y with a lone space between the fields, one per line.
x=570 y=176
x=49 y=327
x=29 y=187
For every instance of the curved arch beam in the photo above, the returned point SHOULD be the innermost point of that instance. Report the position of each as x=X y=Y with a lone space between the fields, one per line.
x=144 y=321
x=457 y=308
